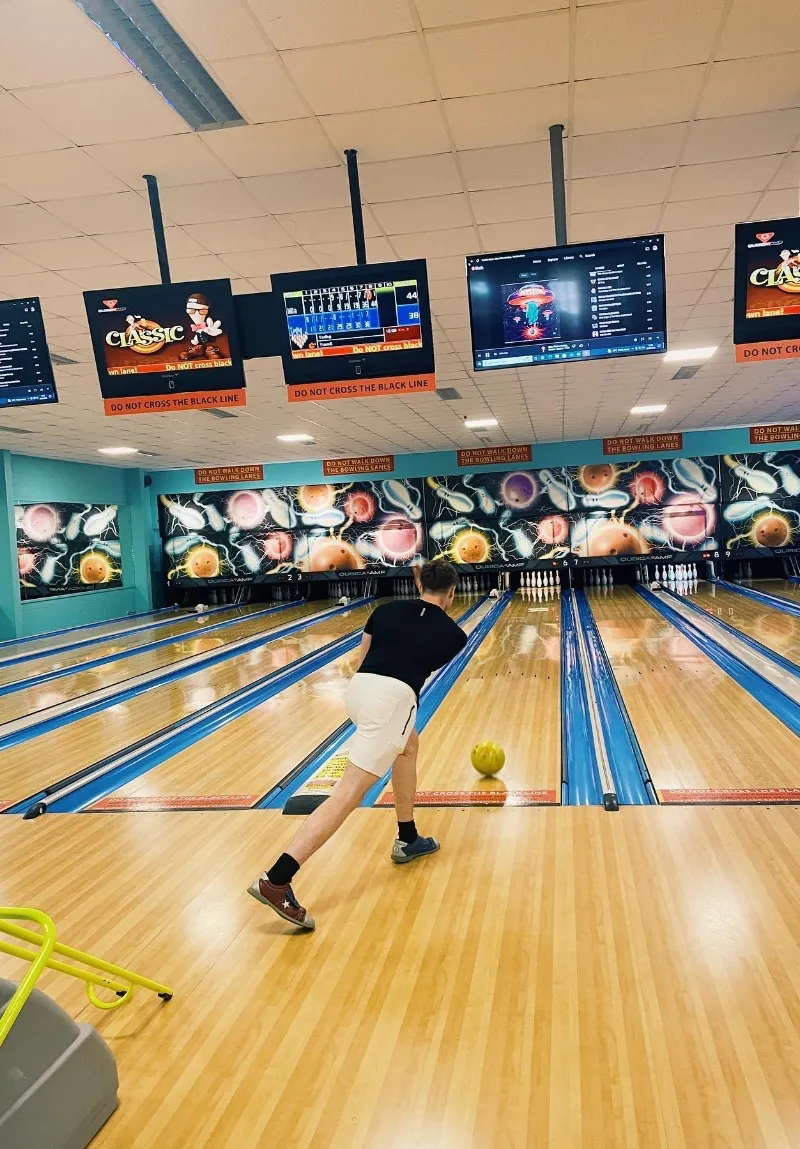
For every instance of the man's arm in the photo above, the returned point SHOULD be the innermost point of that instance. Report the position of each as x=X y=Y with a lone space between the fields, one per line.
x=366 y=639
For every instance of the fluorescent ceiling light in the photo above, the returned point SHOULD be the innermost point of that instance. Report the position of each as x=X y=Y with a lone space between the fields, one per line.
x=118 y=450
x=296 y=438
x=689 y=353
x=473 y=423
x=148 y=41
x=649 y=409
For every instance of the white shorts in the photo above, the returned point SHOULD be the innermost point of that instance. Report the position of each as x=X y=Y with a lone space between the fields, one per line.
x=383 y=711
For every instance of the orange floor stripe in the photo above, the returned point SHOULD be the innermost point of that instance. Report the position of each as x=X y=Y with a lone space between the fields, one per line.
x=178 y=802
x=478 y=798
x=730 y=797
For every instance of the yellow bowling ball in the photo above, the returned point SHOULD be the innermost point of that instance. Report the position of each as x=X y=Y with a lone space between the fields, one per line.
x=488 y=757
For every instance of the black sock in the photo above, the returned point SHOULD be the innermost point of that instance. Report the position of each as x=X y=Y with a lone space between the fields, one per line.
x=283 y=871
x=407 y=832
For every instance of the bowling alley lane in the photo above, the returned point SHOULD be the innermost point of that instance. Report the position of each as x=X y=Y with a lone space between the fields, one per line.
x=766 y=624
x=782 y=588
x=252 y=753
x=508 y=693
x=698 y=729
x=198 y=641
x=41 y=761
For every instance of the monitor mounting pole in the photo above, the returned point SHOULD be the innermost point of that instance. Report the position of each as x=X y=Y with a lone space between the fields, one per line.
x=355 y=205
x=158 y=227
x=559 y=187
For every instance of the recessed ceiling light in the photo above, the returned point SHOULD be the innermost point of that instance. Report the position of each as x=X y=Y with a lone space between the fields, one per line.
x=296 y=438
x=118 y=450
x=689 y=353
x=472 y=423
x=649 y=409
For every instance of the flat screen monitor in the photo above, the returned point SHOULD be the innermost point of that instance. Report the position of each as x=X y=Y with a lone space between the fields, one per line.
x=366 y=322
x=584 y=301
x=26 y=373
x=171 y=346
x=766 y=298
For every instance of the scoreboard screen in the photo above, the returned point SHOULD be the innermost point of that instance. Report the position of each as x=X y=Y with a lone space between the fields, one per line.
x=348 y=319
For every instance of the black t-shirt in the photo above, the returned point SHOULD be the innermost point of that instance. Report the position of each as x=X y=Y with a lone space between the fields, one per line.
x=410 y=639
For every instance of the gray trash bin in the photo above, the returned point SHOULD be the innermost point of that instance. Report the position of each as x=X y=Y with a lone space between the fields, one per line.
x=58 y=1079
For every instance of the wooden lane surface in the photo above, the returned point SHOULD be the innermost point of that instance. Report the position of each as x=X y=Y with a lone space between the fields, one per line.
x=253 y=753
x=509 y=693
x=27 y=768
x=553 y=979
x=180 y=624
x=697 y=728
x=198 y=641
x=768 y=625
x=780 y=587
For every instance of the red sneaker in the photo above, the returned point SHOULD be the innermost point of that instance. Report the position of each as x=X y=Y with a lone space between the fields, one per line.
x=281 y=899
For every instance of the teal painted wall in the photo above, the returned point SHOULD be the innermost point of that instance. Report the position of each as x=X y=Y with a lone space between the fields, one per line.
x=26 y=479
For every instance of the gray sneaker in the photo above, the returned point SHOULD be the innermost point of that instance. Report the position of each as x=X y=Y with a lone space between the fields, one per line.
x=402 y=853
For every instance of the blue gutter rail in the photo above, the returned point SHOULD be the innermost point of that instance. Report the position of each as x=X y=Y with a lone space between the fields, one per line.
x=760 y=688
x=441 y=685
x=188 y=731
x=89 y=626
x=32 y=655
x=580 y=771
x=633 y=783
x=118 y=655
x=273 y=799
x=765 y=652
x=55 y=722
x=761 y=596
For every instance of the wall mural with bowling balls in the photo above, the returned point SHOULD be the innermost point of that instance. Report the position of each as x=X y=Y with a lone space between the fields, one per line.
x=761 y=504
x=624 y=512
x=504 y=519
x=280 y=533
x=67 y=547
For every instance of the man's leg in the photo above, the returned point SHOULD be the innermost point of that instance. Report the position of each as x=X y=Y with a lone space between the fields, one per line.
x=409 y=844
x=273 y=888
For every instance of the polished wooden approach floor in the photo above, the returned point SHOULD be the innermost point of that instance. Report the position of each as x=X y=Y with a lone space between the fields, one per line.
x=553 y=979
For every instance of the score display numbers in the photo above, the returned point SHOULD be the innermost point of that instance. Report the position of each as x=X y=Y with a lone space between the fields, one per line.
x=353 y=319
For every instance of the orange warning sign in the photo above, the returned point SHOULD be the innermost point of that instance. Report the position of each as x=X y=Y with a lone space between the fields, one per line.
x=478 y=798
x=731 y=797
x=145 y=803
x=179 y=401
x=780 y=349
x=642 y=444
x=391 y=386
x=485 y=456
x=775 y=433
x=368 y=465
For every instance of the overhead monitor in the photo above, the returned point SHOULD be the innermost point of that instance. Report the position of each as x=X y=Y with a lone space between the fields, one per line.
x=26 y=373
x=356 y=330
x=168 y=347
x=584 y=301
x=766 y=297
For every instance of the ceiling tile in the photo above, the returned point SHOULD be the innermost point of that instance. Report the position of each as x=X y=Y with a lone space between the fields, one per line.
x=514 y=236
x=100 y=213
x=260 y=88
x=331 y=225
x=777 y=204
x=505 y=205
x=431 y=214
x=33 y=283
x=512 y=166
x=62 y=174
x=21 y=131
x=239 y=235
x=306 y=23
x=342 y=253
x=216 y=31
x=698 y=181
x=15 y=262
x=762 y=84
x=209 y=203
x=635 y=189
x=301 y=191
x=610 y=153
x=698 y=239
x=33 y=45
x=756 y=29
x=428 y=245
x=59 y=254
x=139 y=246
x=507 y=117
x=410 y=178
x=195 y=267
x=389 y=133
x=486 y=58
x=440 y=13
x=681 y=263
x=644 y=36
x=106 y=110
x=174 y=160
x=343 y=77
x=111 y=278
x=29 y=221
x=268 y=149
x=707 y=212
x=611 y=224
x=737 y=137
x=616 y=103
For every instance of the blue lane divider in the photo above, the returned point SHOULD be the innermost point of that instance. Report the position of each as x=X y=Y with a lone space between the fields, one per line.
x=761 y=596
x=772 y=655
x=31 y=655
x=291 y=782
x=233 y=650
x=118 y=655
x=88 y=626
x=193 y=729
x=778 y=703
x=633 y=782
x=580 y=771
